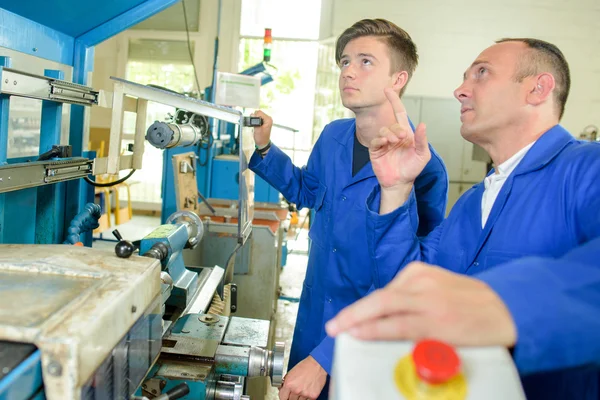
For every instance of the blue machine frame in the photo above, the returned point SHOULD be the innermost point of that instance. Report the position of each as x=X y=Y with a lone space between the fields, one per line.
x=64 y=32
x=217 y=177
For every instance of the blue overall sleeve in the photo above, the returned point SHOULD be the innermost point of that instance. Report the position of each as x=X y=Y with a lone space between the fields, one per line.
x=392 y=238
x=298 y=185
x=323 y=353
x=431 y=190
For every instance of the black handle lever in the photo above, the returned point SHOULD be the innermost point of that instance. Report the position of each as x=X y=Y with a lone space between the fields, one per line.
x=123 y=249
x=176 y=393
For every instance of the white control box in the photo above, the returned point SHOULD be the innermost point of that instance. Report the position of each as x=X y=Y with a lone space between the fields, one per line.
x=387 y=370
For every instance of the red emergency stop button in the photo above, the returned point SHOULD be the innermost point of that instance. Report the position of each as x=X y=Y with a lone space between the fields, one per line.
x=435 y=362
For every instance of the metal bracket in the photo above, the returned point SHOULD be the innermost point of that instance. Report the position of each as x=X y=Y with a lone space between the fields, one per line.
x=23 y=84
x=185 y=167
x=233 y=294
x=39 y=173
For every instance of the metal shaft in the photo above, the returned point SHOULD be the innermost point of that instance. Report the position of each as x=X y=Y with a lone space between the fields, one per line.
x=228 y=390
x=165 y=136
x=184 y=135
x=251 y=362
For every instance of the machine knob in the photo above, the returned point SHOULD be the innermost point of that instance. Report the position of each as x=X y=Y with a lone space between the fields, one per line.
x=193 y=224
x=263 y=362
x=123 y=249
x=276 y=365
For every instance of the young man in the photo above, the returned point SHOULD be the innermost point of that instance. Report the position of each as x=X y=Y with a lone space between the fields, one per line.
x=373 y=55
x=529 y=234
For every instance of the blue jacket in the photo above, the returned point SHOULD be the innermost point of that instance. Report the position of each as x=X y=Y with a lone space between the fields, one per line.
x=338 y=271
x=539 y=250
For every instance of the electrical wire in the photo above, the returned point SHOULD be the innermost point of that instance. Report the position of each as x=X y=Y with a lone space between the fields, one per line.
x=206 y=147
x=55 y=152
x=189 y=45
x=109 y=184
x=227 y=266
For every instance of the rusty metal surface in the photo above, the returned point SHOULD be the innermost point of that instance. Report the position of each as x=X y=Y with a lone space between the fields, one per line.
x=195 y=336
x=189 y=347
x=194 y=325
x=182 y=370
x=74 y=304
x=17 y=290
x=247 y=332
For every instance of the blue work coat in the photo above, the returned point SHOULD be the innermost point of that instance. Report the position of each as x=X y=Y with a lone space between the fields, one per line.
x=338 y=270
x=539 y=250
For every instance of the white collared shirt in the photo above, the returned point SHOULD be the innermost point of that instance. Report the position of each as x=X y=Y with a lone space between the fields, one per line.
x=494 y=182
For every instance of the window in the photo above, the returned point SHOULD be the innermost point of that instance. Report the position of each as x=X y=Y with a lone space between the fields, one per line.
x=24 y=127
x=289 y=99
x=328 y=103
x=275 y=14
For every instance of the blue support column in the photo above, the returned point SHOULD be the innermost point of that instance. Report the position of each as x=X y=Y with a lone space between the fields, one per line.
x=78 y=192
x=4 y=121
x=19 y=217
x=49 y=221
x=83 y=62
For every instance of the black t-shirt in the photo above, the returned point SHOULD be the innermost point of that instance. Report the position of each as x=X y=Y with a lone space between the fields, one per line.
x=360 y=156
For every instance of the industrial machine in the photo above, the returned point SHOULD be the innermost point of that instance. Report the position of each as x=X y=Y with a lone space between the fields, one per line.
x=92 y=326
x=203 y=345
x=96 y=325
x=202 y=172
x=139 y=322
x=590 y=133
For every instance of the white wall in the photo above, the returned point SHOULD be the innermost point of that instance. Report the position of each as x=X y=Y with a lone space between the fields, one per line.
x=451 y=33
x=106 y=64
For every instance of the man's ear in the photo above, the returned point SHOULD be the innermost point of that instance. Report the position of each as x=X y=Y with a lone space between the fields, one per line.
x=400 y=79
x=541 y=89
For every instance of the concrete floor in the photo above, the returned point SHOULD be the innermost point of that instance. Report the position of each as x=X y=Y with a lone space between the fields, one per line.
x=290 y=281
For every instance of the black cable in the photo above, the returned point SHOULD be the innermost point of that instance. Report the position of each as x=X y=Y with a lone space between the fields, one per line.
x=91 y=182
x=187 y=33
x=54 y=152
x=201 y=147
x=239 y=246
